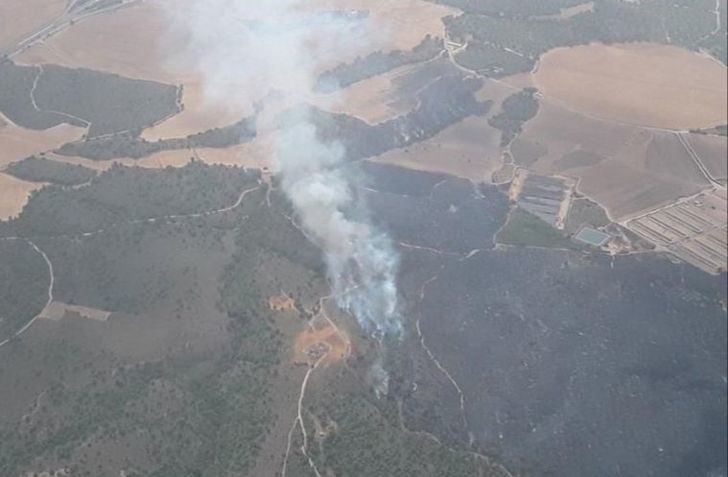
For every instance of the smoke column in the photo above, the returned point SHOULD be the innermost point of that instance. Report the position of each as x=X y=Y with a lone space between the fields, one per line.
x=246 y=49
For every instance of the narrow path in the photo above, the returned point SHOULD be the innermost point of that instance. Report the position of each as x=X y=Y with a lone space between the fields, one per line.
x=65 y=20
x=717 y=18
x=298 y=422
x=238 y=202
x=235 y=205
x=51 y=283
x=457 y=387
x=435 y=361
x=33 y=101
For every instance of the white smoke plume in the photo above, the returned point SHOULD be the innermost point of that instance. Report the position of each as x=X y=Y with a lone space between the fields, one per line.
x=245 y=50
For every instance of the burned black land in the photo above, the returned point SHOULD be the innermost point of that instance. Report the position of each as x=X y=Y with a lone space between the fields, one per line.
x=442 y=103
x=378 y=63
x=570 y=363
x=452 y=216
x=574 y=365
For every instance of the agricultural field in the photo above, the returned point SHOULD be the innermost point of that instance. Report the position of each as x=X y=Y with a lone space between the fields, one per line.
x=624 y=168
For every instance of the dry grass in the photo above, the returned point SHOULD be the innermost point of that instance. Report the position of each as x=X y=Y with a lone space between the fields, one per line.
x=57 y=310
x=713 y=151
x=645 y=84
x=21 y=18
x=17 y=143
x=14 y=195
x=469 y=149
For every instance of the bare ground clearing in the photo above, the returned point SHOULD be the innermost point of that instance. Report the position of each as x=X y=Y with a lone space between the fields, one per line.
x=56 y=310
x=322 y=344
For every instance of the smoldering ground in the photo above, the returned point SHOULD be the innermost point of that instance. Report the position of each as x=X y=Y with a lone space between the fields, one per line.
x=245 y=50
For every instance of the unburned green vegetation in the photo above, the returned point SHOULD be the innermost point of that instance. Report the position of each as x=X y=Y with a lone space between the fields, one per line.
x=526 y=230
x=40 y=169
x=24 y=280
x=131 y=144
x=40 y=97
x=721 y=130
x=505 y=37
x=123 y=194
x=515 y=111
x=585 y=212
x=191 y=401
x=354 y=432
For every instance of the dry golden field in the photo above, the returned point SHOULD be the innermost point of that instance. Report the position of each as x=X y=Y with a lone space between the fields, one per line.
x=21 y=18
x=625 y=168
x=644 y=84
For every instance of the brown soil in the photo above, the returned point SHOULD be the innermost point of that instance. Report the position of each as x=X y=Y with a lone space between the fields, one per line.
x=323 y=340
x=281 y=302
x=57 y=310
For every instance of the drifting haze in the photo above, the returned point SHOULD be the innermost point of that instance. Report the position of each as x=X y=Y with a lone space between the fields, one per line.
x=246 y=50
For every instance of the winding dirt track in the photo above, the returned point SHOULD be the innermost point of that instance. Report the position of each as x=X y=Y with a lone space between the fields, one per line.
x=51 y=282
x=233 y=206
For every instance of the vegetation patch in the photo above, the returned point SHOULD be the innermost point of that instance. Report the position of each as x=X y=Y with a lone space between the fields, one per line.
x=721 y=130
x=361 y=435
x=124 y=194
x=515 y=111
x=132 y=145
x=16 y=100
x=40 y=169
x=500 y=30
x=377 y=63
x=110 y=103
x=444 y=102
x=583 y=211
x=526 y=230
x=24 y=282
